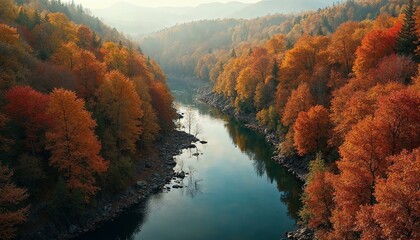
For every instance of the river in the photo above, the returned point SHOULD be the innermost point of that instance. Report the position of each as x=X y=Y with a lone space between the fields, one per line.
x=233 y=191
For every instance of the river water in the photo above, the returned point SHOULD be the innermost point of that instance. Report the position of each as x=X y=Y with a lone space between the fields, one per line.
x=233 y=191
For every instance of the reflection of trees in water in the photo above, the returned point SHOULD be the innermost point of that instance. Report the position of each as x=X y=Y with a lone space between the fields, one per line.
x=256 y=148
x=123 y=227
x=194 y=153
x=193 y=186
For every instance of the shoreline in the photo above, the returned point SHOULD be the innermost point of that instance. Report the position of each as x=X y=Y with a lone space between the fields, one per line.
x=294 y=164
x=153 y=172
x=298 y=166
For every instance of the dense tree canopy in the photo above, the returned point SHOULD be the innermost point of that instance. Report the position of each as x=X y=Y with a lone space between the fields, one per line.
x=342 y=81
x=80 y=105
x=71 y=90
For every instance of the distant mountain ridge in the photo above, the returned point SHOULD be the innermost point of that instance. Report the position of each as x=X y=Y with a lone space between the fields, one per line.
x=266 y=7
x=136 y=20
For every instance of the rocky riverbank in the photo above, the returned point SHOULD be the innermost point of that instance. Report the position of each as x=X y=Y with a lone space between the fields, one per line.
x=302 y=233
x=295 y=164
x=153 y=172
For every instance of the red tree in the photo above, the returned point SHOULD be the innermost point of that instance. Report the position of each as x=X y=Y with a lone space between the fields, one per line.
x=312 y=130
x=73 y=144
x=28 y=108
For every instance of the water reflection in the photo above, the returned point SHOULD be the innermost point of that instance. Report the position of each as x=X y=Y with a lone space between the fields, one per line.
x=260 y=153
x=193 y=186
x=257 y=150
x=232 y=190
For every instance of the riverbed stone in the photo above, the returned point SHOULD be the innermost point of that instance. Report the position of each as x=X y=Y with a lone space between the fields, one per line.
x=180 y=174
x=142 y=184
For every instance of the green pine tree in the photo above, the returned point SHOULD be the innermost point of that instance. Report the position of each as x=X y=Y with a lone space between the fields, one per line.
x=407 y=40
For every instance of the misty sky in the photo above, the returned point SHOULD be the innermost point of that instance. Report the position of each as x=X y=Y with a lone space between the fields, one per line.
x=151 y=3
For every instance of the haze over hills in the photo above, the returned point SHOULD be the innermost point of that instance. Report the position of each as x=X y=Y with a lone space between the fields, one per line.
x=137 y=20
x=266 y=7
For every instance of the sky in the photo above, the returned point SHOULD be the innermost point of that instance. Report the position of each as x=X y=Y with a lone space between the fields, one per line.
x=94 y=4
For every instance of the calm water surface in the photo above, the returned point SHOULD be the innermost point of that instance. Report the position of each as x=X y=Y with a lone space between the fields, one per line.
x=234 y=190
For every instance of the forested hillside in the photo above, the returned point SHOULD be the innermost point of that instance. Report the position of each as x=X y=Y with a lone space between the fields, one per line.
x=194 y=48
x=78 y=105
x=340 y=86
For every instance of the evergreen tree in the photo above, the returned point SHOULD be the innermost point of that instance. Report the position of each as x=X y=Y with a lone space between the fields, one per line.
x=233 y=53
x=407 y=40
x=23 y=19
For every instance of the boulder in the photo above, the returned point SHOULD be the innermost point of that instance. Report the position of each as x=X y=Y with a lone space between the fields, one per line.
x=156 y=189
x=180 y=174
x=192 y=146
x=141 y=184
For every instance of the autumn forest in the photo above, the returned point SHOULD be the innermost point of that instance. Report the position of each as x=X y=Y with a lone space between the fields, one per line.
x=81 y=105
x=77 y=107
x=340 y=86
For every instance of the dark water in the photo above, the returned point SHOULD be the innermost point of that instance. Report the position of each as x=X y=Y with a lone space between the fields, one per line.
x=234 y=190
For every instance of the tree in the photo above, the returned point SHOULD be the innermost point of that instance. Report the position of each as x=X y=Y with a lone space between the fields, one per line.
x=398 y=207
x=64 y=28
x=8 y=10
x=357 y=104
x=393 y=68
x=121 y=106
x=365 y=152
x=399 y=119
x=312 y=130
x=301 y=63
x=89 y=72
x=67 y=55
x=10 y=198
x=115 y=57
x=74 y=146
x=15 y=56
x=344 y=43
x=376 y=44
x=363 y=161
x=227 y=80
x=261 y=63
x=268 y=118
x=407 y=40
x=190 y=118
x=318 y=198
x=245 y=87
x=264 y=93
x=276 y=44
x=162 y=103
x=300 y=100
x=28 y=108
x=85 y=38
x=197 y=130
x=149 y=122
